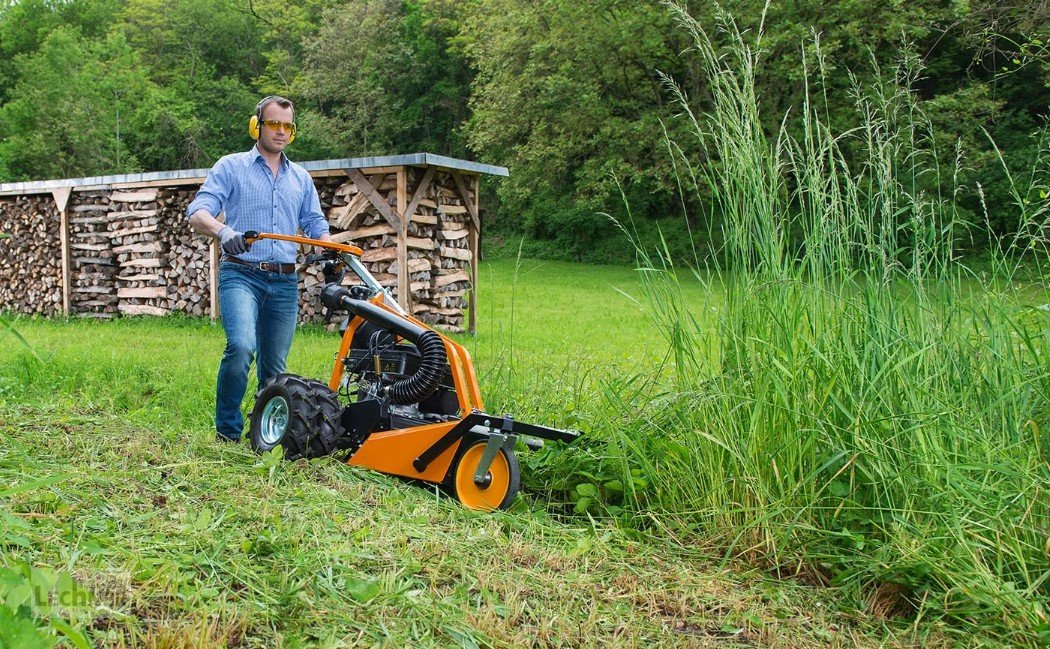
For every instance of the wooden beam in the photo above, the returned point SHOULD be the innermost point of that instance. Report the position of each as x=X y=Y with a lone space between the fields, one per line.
x=374 y=197
x=61 y=197
x=472 y=208
x=345 y=216
x=420 y=191
x=324 y=173
x=404 y=290
x=380 y=170
x=475 y=254
x=142 y=183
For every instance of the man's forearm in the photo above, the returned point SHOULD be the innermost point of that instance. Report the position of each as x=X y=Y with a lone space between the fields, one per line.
x=206 y=224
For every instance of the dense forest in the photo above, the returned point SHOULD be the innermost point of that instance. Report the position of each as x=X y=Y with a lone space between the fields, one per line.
x=576 y=98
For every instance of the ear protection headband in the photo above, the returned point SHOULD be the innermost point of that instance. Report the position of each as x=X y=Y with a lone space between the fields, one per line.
x=255 y=123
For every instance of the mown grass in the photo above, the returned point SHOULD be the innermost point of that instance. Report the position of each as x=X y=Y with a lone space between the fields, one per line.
x=548 y=332
x=187 y=543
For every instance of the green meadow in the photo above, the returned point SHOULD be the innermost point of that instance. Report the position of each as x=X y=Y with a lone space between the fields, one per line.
x=111 y=481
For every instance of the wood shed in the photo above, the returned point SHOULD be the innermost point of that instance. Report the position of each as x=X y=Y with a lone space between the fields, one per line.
x=120 y=245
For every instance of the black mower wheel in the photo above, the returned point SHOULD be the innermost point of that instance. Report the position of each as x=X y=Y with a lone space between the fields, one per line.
x=300 y=414
x=500 y=484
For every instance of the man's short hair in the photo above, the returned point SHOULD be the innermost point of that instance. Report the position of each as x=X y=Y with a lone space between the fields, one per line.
x=273 y=99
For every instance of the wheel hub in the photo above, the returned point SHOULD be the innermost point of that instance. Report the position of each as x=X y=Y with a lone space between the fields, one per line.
x=274 y=420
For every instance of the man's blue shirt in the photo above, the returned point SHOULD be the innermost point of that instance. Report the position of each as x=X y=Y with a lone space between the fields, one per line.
x=242 y=186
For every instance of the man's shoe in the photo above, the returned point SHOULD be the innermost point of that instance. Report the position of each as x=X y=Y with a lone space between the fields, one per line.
x=219 y=437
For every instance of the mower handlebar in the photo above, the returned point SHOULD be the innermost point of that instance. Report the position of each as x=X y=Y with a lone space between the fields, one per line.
x=251 y=236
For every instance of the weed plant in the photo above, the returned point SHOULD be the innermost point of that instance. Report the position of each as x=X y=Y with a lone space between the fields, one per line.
x=868 y=413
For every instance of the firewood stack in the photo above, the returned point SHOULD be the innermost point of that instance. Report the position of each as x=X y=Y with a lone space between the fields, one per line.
x=354 y=220
x=438 y=244
x=450 y=283
x=31 y=258
x=135 y=235
x=187 y=271
x=311 y=280
x=93 y=264
x=132 y=251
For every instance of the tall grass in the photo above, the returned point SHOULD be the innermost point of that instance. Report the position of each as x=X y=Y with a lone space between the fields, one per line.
x=862 y=414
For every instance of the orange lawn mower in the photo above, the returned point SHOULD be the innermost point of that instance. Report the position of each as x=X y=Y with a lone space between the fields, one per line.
x=403 y=399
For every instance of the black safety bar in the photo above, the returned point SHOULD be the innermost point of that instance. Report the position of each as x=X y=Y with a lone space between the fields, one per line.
x=506 y=425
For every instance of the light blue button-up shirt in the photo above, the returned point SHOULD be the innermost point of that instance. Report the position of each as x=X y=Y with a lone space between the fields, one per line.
x=242 y=186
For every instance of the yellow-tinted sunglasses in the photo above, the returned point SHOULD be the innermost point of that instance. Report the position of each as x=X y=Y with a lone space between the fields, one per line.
x=281 y=127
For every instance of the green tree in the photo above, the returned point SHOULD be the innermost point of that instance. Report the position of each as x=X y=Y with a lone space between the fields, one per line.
x=285 y=27
x=207 y=55
x=568 y=95
x=26 y=23
x=77 y=109
x=379 y=78
x=977 y=69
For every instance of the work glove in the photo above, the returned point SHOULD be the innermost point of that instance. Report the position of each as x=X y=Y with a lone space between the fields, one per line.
x=233 y=242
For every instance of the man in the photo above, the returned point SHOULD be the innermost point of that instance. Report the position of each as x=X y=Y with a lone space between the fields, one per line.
x=259 y=190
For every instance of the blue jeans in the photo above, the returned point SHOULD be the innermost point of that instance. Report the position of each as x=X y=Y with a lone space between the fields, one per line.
x=259 y=311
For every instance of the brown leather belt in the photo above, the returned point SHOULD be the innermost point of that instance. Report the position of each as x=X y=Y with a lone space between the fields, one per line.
x=270 y=267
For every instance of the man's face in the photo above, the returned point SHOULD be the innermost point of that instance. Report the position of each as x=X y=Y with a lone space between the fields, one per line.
x=274 y=140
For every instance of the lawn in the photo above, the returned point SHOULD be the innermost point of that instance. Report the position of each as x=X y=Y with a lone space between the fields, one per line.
x=109 y=474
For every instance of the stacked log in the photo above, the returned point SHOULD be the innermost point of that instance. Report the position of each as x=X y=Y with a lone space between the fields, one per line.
x=31 y=256
x=451 y=283
x=93 y=264
x=187 y=271
x=437 y=242
x=311 y=281
x=355 y=220
x=134 y=228
x=132 y=251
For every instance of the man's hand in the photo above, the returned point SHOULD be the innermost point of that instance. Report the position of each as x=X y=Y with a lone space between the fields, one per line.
x=233 y=242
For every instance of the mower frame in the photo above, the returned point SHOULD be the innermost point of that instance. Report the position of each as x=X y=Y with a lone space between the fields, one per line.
x=430 y=452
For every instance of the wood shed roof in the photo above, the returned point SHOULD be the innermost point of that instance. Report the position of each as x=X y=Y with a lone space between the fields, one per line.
x=186 y=176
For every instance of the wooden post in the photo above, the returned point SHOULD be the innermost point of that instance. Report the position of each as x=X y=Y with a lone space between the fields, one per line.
x=404 y=286
x=474 y=227
x=61 y=196
x=475 y=257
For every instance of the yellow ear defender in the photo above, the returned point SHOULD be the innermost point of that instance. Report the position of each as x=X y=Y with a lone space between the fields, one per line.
x=253 y=127
x=255 y=123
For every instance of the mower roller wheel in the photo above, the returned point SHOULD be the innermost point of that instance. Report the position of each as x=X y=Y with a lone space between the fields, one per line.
x=300 y=414
x=501 y=482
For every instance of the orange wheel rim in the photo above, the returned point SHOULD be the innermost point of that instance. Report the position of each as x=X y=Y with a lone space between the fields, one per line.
x=473 y=496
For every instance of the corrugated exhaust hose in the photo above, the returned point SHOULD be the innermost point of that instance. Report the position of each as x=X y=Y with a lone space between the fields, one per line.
x=426 y=379
x=431 y=348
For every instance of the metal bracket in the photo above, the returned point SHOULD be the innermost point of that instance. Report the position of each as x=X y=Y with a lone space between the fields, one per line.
x=492 y=447
x=508 y=428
